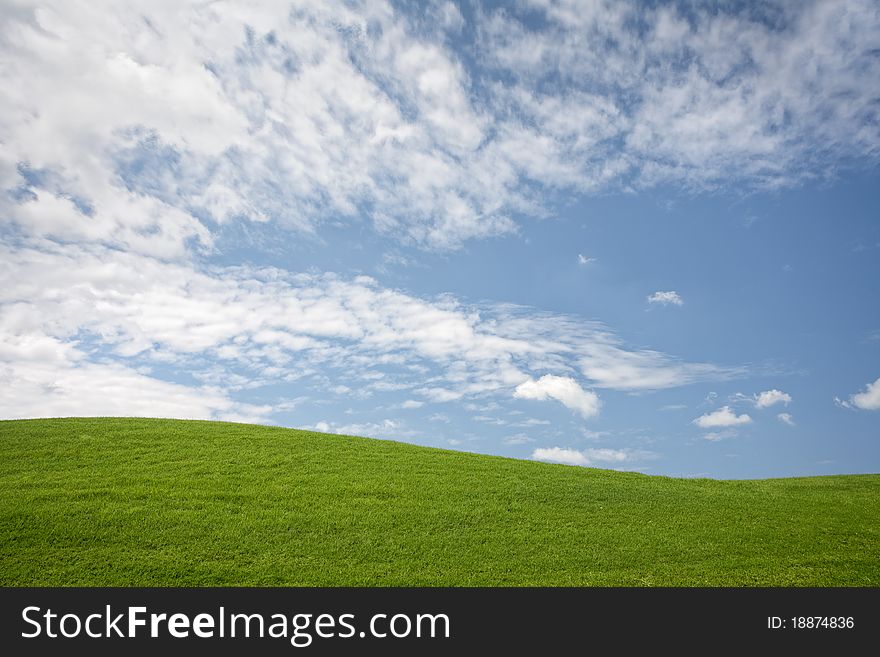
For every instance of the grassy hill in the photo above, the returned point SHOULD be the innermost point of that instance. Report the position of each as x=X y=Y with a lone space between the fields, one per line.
x=162 y=502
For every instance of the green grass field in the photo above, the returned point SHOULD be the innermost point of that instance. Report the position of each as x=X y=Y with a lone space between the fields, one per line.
x=164 y=503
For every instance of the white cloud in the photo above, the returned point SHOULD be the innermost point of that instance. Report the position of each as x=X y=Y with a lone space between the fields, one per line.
x=770 y=397
x=723 y=417
x=716 y=436
x=412 y=403
x=786 y=418
x=703 y=96
x=592 y=456
x=270 y=326
x=45 y=377
x=560 y=455
x=188 y=122
x=518 y=439
x=607 y=455
x=384 y=429
x=212 y=88
x=584 y=260
x=609 y=365
x=440 y=395
x=563 y=389
x=487 y=419
x=868 y=400
x=130 y=125
x=666 y=298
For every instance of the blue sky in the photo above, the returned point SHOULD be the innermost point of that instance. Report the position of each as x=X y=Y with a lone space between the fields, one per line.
x=641 y=237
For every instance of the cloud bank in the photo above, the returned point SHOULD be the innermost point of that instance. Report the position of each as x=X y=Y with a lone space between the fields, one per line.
x=237 y=328
x=148 y=126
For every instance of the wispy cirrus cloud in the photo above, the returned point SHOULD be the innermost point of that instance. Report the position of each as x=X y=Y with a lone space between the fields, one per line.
x=590 y=456
x=145 y=126
x=44 y=376
x=786 y=418
x=264 y=325
x=140 y=139
x=693 y=95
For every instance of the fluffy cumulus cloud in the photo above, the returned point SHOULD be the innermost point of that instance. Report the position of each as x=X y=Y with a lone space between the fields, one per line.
x=668 y=298
x=722 y=417
x=563 y=389
x=771 y=397
x=867 y=400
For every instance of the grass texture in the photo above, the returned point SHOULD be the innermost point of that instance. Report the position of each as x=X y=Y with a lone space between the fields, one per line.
x=138 y=502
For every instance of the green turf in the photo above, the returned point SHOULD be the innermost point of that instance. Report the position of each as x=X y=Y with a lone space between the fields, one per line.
x=165 y=503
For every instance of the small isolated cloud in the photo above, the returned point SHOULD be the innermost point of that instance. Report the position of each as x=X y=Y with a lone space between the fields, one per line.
x=715 y=436
x=440 y=395
x=560 y=455
x=518 y=439
x=585 y=260
x=669 y=298
x=786 y=418
x=488 y=419
x=723 y=417
x=534 y=422
x=590 y=456
x=563 y=389
x=868 y=400
x=412 y=403
x=770 y=397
